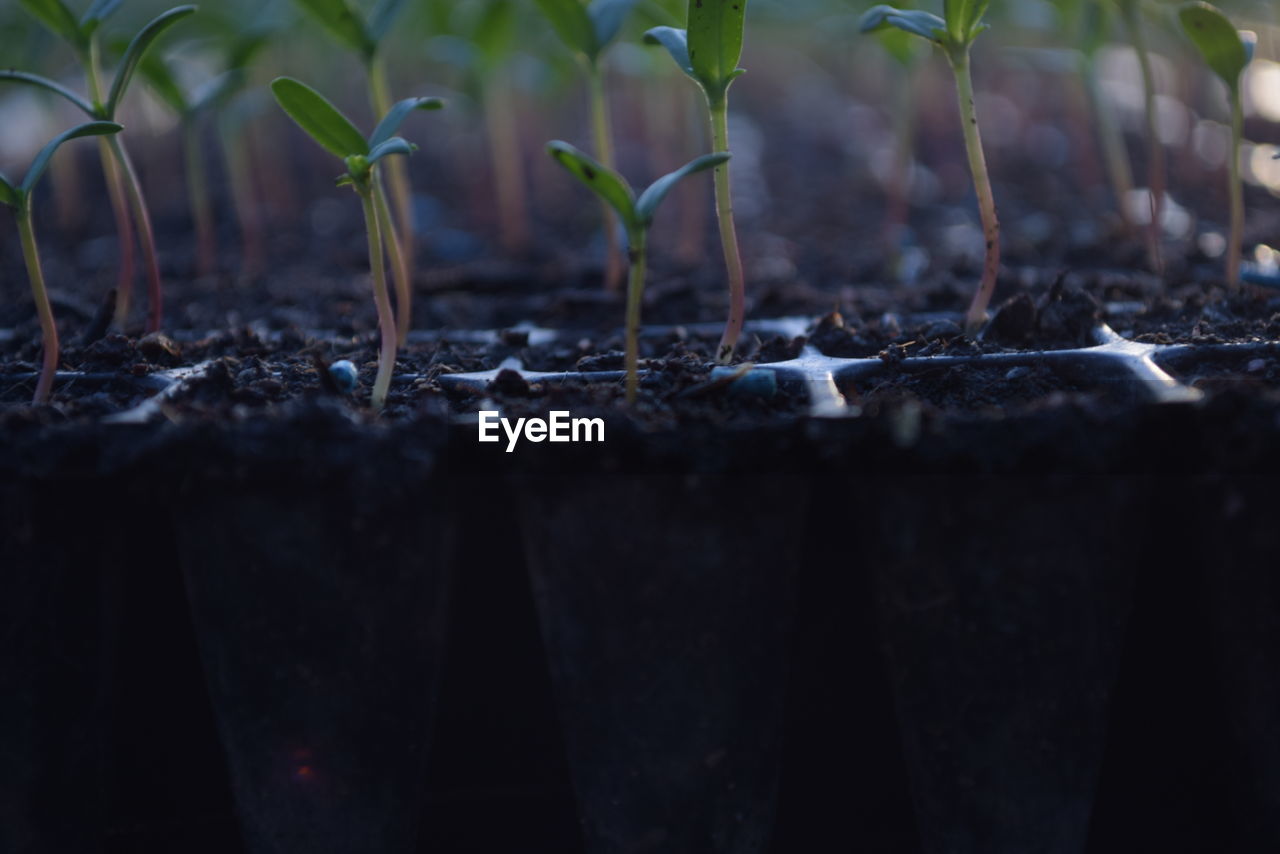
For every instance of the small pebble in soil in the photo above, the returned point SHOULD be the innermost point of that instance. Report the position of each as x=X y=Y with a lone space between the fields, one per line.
x=510 y=384
x=344 y=375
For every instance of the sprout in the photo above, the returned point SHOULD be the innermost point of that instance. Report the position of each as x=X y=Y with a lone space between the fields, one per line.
x=335 y=133
x=365 y=36
x=190 y=108
x=1131 y=11
x=708 y=51
x=18 y=197
x=1228 y=53
x=123 y=185
x=955 y=34
x=636 y=214
x=588 y=30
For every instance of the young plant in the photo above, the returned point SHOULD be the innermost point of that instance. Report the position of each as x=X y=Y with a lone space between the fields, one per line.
x=588 y=29
x=336 y=134
x=365 y=35
x=1131 y=11
x=636 y=214
x=708 y=50
x=18 y=197
x=191 y=107
x=955 y=33
x=123 y=186
x=1227 y=53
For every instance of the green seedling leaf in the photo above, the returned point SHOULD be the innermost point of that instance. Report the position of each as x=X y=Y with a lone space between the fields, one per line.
x=396 y=115
x=383 y=18
x=56 y=17
x=96 y=14
x=715 y=43
x=395 y=145
x=137 y=48
x=320 y=119
x=1221 y=45
x=159 y=76
x=48 y=85
x=964 y=19
x=246 y=49
x=676 y=42
x=343 y=23
x=573 y=24
x=41 y=163
x=926 y=25
x=9 y=194
x=650 y=199
x=607 y=18
x=611 y=187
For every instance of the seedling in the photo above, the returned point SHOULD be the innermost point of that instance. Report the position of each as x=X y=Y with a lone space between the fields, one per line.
x=708 y=50
x=18 y=197
x=366 y=36
x=335 y=133
x=1131 y=11
x=123 y=186
x=955 y=33
x=636 y=214
x=191 y=107
x=1227 y=53
x=588 y=29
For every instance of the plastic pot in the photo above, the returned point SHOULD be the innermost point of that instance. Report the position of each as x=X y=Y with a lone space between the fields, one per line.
x=665 y=603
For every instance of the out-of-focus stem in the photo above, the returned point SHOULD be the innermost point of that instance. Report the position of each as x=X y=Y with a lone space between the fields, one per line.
x=1236 y=189
x=693 y=202
x=397 y=167
x=198 y=195
x=604 y=153
x=115 y=192
x=1155 y=148
x=982 y=185
x=728 y=235
x=146 y=235
x=508 y=164
x=40 y=294
x=635 y=299
x=399 y=266
x=244 y=201
x=904 y=122
x=382 y=299
x=1119 y=170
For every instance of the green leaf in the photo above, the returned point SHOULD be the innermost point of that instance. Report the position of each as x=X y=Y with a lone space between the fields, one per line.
x=397 y=114
x=573 y=24
x=320 y=119
x=246 y=49
x=56 y=17
x=159 y=76
x=96 y=14
x=137 y=48
x=607 y=18
x=9 y=194
x=964 y=19
x=649 y=200
x=41 y=163
x=715 y=43
x=611 y=187
x=394 y=145
x=926 y=25
x=1095 y=28
x=218 y=90
x=1217 y=40
x=48 y=85
x=677 y=44
x=343 y=23
x=383 y=18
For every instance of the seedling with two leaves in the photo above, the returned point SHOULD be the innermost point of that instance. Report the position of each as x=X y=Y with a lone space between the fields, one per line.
x=124 y=188
x=588 y=29
x=1228 y=53
x=955 y=34
x=708 y=50
x=636 y=214
x=362 y=157
x=18 y=197
x=366 y=36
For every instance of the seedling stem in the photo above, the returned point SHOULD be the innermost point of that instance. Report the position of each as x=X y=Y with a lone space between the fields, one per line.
x=397 y=174
x=155 y=311
x=638 y=252
x=198 y=187
x=603 y=134
x=728 y=235
x=399 y=263
x=1236 y=241
x=1119 y=171
x=40 y=294
x=1155 y=148
x=382 y=299
x=982 y=185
